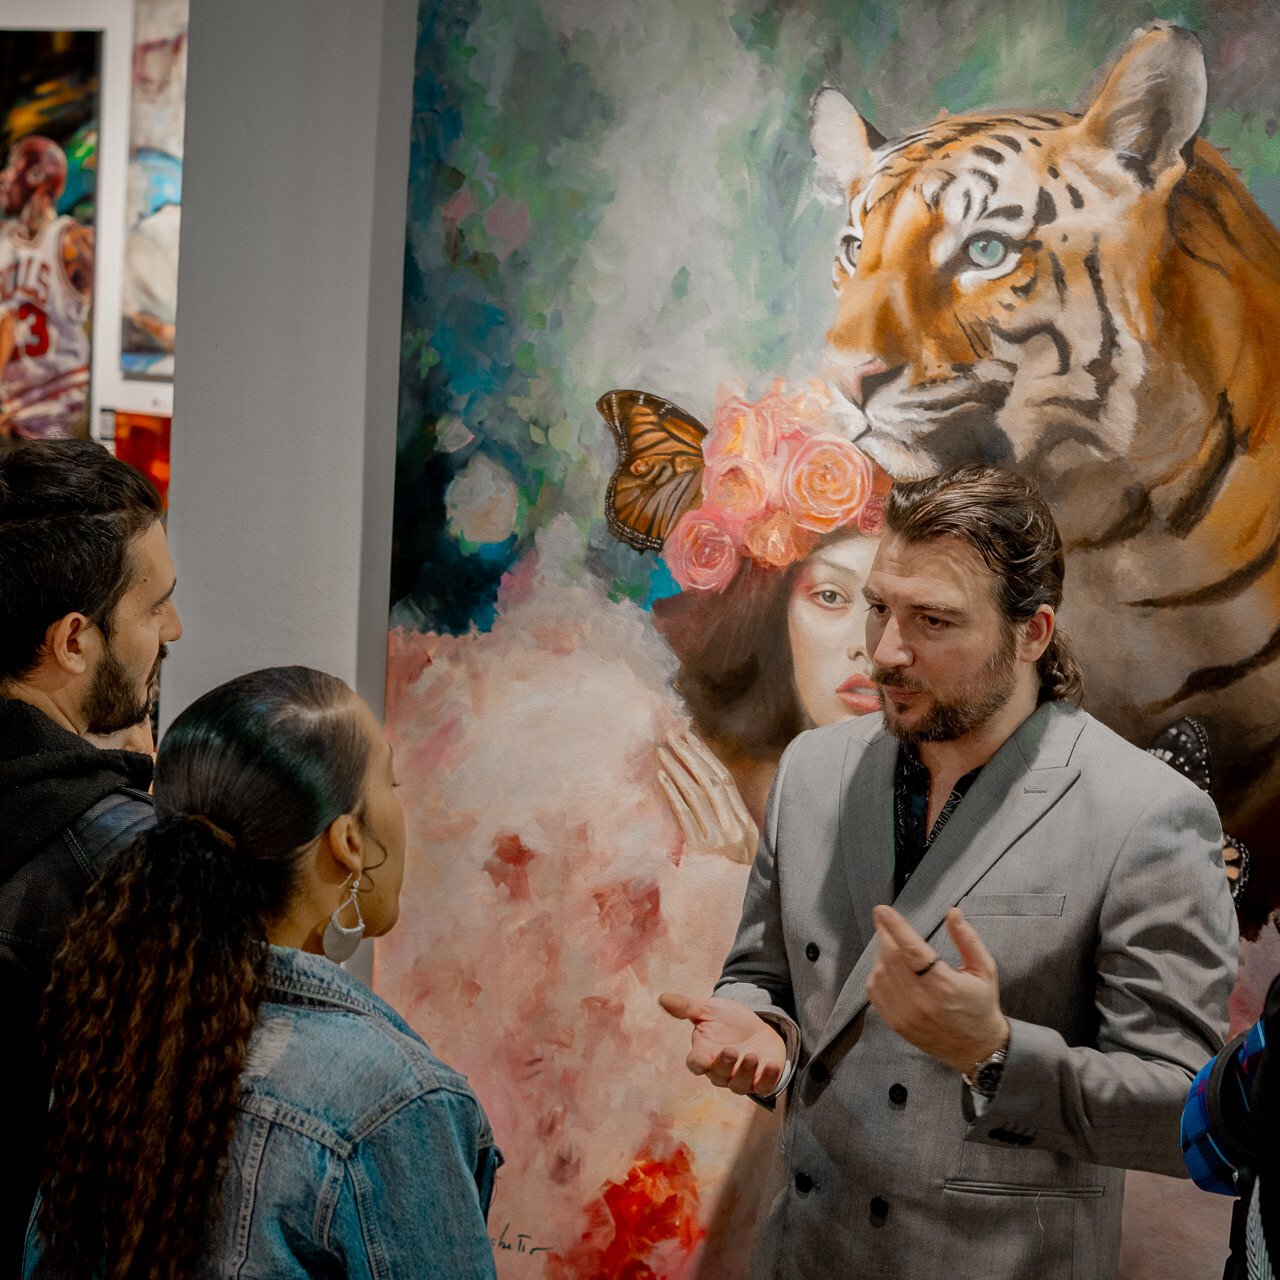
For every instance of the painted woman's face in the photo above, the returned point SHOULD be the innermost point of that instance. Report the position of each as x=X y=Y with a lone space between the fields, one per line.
x=827 y=624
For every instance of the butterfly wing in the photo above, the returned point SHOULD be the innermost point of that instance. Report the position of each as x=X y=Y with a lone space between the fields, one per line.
x=659 y=470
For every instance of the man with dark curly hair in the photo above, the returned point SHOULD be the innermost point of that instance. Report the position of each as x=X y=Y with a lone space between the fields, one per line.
x=86 y=585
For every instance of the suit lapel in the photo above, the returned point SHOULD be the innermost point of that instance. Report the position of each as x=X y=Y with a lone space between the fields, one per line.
x=1016 y=788
x=866 y=826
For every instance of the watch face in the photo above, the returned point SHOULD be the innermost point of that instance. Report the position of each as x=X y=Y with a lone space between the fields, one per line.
x=986 y=1075
x=989 y=1077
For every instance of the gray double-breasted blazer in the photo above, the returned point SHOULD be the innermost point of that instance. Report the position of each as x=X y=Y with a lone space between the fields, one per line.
x=1094 y=874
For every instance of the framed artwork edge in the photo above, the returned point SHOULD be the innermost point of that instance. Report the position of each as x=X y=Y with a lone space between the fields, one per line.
x=109 y=388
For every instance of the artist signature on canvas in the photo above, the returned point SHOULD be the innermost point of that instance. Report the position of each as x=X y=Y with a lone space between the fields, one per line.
x=505 y=1242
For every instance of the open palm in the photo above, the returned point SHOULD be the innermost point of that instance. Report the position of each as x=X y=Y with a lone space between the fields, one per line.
x=732 y=1046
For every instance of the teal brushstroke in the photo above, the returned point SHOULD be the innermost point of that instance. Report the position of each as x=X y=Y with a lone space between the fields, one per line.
x=661 y=584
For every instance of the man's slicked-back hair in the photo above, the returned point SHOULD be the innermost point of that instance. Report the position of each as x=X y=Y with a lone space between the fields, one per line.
x=69 y=511
x=1005 y=520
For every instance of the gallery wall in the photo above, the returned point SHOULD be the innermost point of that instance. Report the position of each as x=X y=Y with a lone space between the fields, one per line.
x=292 y=251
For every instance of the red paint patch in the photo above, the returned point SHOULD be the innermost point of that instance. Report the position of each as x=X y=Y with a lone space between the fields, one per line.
x=643 y=1228
x=507 y=867
x=563 y=1163
x=630 y=913
x=603 y=1022
x=432 y=755
x=447 y=978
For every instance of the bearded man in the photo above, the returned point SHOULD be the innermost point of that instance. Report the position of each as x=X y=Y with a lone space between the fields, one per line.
x=86 y=590
x=969 y=1071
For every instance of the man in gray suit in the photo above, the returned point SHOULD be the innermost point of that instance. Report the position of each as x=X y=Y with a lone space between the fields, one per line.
x=968 y=1072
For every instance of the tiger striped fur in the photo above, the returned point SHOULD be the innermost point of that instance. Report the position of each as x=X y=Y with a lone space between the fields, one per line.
x=1092 y=300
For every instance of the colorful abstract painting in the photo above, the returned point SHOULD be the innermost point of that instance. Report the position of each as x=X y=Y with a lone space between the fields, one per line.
x=49 y=140
x=641 y=446
x=153 y=216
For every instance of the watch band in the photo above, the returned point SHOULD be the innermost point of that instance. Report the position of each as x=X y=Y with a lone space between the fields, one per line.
x=984 y=1078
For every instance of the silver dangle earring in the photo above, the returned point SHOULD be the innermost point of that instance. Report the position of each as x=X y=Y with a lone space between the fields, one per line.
x=340 y=942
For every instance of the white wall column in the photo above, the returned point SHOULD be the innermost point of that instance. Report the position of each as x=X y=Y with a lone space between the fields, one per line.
x=294 y=191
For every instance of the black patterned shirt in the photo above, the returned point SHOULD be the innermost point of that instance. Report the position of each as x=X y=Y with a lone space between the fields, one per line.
x=911 y=840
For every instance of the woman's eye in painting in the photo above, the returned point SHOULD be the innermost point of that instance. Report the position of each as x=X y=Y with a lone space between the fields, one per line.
x=850 y=247
x=986 y=252
x=830 y=597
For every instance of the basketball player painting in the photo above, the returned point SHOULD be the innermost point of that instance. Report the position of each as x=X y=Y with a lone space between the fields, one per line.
x=46 y=284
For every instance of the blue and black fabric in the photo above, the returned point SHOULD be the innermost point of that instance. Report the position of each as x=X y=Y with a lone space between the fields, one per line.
x=66 y=809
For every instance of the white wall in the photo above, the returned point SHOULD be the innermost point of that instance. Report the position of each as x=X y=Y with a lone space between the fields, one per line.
x=294 y=189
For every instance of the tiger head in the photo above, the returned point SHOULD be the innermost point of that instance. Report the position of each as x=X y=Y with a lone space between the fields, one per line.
x=1007 y=290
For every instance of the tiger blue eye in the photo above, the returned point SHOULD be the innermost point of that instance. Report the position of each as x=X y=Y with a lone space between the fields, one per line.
x=850 y=244
x=987 y=253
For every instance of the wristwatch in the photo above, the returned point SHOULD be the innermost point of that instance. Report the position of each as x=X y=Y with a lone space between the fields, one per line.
x=985 y=1075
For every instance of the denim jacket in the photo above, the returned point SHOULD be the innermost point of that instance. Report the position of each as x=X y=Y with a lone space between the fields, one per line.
x=357 y=1153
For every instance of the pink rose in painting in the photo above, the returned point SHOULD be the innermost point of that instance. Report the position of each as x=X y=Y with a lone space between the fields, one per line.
x=872 y=517
x=737 y=488
x=702 y=552
x=790 y=419
x=734 y=433
x=778 y=541
x=826 y=482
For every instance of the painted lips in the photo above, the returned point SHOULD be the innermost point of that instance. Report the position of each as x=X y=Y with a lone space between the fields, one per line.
x=859 y=694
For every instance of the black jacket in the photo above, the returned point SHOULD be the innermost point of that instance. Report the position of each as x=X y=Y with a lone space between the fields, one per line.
x=66 y=808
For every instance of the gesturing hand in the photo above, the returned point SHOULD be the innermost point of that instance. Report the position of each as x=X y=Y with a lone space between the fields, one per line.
x=705 y=799
x=953 y=1014
x=733 y=1047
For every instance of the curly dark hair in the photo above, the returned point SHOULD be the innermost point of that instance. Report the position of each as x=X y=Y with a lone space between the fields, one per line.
x=156 y=990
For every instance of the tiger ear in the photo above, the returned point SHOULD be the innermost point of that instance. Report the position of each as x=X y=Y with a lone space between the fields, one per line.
x=1152 y=102
x=843 y=141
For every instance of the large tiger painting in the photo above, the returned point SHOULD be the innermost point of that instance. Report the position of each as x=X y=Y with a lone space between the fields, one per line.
x=618 y=325
x=1093 y=300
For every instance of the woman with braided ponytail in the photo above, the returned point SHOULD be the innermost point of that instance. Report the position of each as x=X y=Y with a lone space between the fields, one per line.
x=226 y=1100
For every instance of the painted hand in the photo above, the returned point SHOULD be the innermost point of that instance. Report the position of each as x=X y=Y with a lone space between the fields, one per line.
x=732 y=1047
x=705 y=800
x=953 y=1014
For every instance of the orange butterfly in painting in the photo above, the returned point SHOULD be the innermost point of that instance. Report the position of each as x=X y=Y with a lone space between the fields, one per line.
x=658 y=477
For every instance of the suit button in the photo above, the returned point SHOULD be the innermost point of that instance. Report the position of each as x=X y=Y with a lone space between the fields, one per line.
x=898 y=1094
x=812 y=951
x=818 y=1072
x=804 y=1183
x=879 y=1207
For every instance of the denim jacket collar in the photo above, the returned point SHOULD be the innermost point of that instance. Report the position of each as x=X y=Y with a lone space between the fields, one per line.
x=300 y=978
